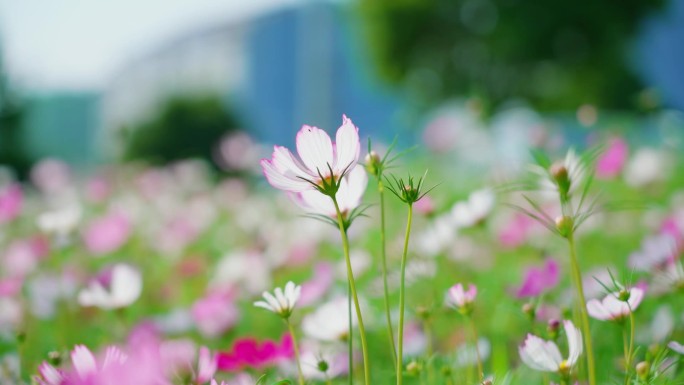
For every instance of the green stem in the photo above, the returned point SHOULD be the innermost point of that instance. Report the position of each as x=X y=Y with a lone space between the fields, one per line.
x=591 y=370
x=428 y=350
x=480 y=371
x=402 y=289
x=296 y=351
x=350 y=339
x=352 y=287
x=630 y=351
x=393 y=348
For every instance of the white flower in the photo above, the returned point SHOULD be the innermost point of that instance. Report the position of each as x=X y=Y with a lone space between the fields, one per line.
x=60 y=222
x=544 y=355
x=330 y=321
x=282 y=302
x=318 y=158
x=118 y=288
x=647 y=166
x=461 y=298
x=615 y=305
x=472 y=211
x=349 y=195
x=676 y=346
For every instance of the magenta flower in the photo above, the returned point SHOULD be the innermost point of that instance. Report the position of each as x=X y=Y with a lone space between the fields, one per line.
x=249 y=353
x=107 y=234
x=615 y=306
x=319 y=158
x=539 y=279
x=612 y=161
x=11 y=198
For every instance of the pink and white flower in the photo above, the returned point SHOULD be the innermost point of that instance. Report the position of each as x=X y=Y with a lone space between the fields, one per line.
x=11 y=198
x=282 y=302
x=318 y=157
x=116 y=288
x=460 y=297
x=615 y=306
x=676 y=347
x=206 y=365
x=546 y=357
x=352 y=187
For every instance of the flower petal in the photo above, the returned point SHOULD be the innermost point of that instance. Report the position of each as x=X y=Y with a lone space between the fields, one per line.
x=575 y=345
x=315 y=149
x=347 y=146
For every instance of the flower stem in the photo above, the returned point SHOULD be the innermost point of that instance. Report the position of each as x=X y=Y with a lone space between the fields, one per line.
x=480 y=371
x=577 y=277
x=381 y=191
x=427 y=330
x=350 y=335
x=402 y=289
x=630 y=351
x=352 y=287
x=296 y=351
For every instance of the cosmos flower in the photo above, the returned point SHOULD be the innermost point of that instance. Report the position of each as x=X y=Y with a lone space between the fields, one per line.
x=11 y=198
x=612 y=161
x=281 y=302
x=615 y=306
x=206 y=365
x=250 y=353
x=546 y=357
x=107 y=234
x=116 y=288
x=330 y=321
x=656 y=250
x=86 y=369
x=564 y=176
x=539 y=279
x=215 y=313
x=349 y=195
x=319 y=158
x=474 y=210
x=676 y=347
x=461 y=298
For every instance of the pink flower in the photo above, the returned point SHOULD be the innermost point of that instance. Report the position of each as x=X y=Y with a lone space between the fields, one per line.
x=462 y=298
x=107 y=234
x=424 y=206
x=319 y=157
x=249 y=353
x=315 y=288
x=516 y=231
x=615 y=306
x=612 y=161
x=206 y=365
x=11 y=198
x=22 y=256
x=215 y=313
x=352 y=187
x=539 y=280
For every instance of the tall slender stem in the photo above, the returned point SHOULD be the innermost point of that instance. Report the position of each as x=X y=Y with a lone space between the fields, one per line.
x=350 y=336
x=402 y=289
x=630 y=350
x=480 y=371
x=352 y=286
x=296 y=351
x=383 y=248
x=591 y=370
x=427 y=330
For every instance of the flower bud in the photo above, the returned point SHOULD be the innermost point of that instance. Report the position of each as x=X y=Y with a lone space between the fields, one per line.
x=423 y=312
x=373 y=162
x=487 y=382
x=553 y=327
x=564 y=225
x=322 y=366
x=560 y=175
x=529 y=310
x=414 y=368
x=642 y=369
x=624 y=295
x=54 y=358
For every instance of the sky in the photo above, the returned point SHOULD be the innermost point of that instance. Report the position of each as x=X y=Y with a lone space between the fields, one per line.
x=79 y=44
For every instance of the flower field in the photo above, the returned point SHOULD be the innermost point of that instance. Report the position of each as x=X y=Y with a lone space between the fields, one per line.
x=344 y=261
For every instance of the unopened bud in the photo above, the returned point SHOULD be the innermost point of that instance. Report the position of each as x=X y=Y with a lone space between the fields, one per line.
x=642 y=369
x=322 y=366
x=414 y=368
x=624 y=295
x=487 y=382
x=373 y=163
x=530 y=310
x=560 y=175
x=553 y=327
x=54 y=358
x=423 y=312
x=564 y=225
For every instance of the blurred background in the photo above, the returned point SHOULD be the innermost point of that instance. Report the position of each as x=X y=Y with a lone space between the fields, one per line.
x=96 y=83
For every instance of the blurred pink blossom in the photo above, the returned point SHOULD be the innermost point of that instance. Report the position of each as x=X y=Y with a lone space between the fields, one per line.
x=51 y=176
x=315 y=288
x=250 y=353
x=424 y=205
x=539 y=279
x=612 y=161
x=22 y=256
x=107 y=234
x=11 y=199
x=215 y=313
x=98 y=189
x=516 y=230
